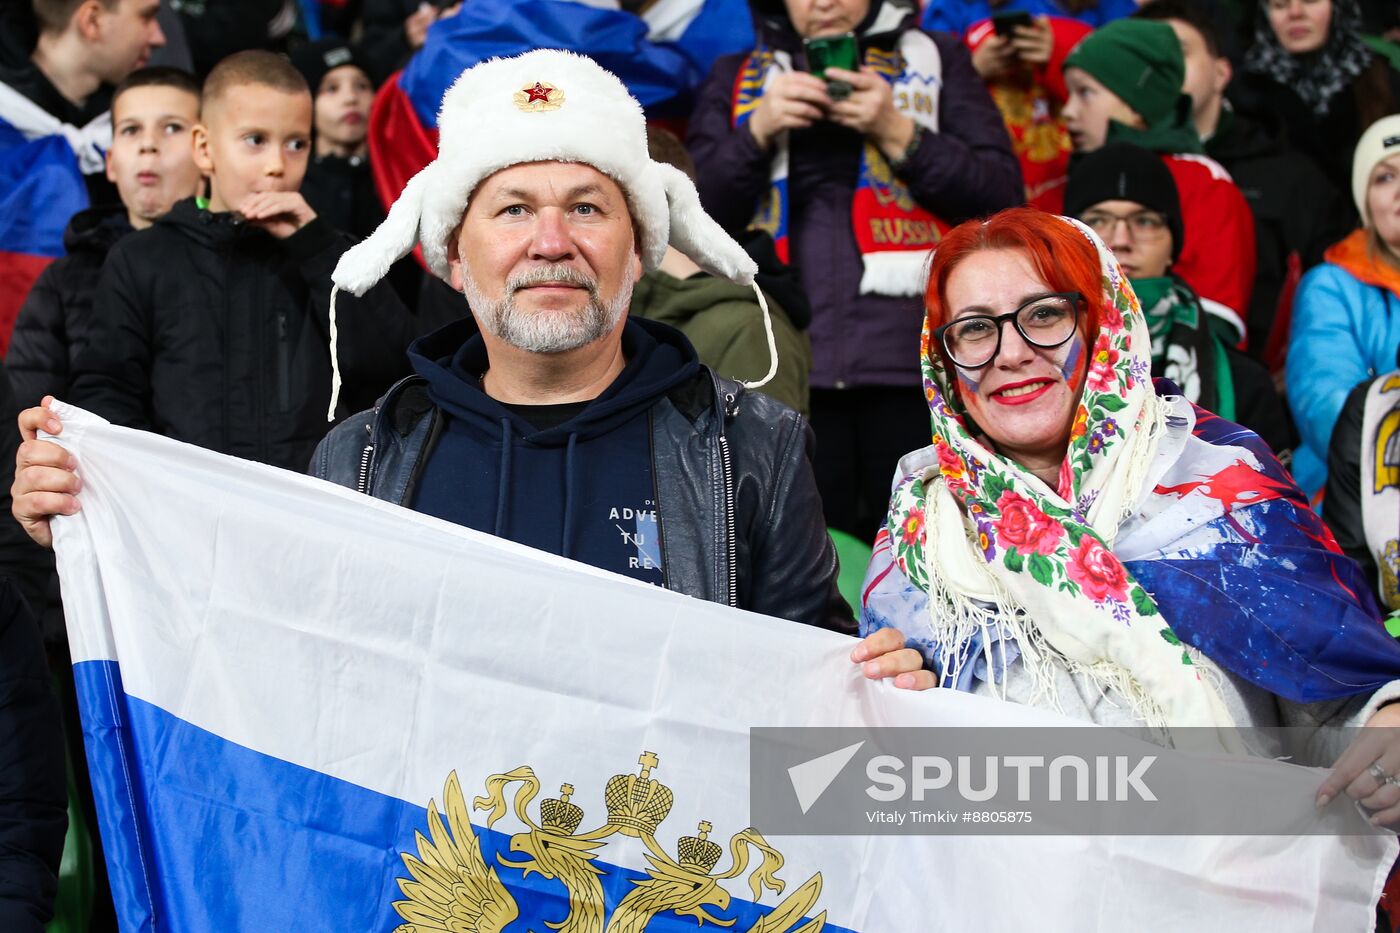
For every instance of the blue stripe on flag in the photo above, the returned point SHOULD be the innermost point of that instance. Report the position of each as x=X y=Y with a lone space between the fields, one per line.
x=40 y=190
x=202 y=834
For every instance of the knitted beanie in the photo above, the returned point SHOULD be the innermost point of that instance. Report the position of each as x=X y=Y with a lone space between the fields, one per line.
x=1379 y=141
x=1124 y=172
x=1140 y=61
x=317 y=59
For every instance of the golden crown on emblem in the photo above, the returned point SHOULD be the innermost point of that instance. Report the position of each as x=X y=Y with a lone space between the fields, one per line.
x=637 y=803
x=559 y=816
x=698 y=853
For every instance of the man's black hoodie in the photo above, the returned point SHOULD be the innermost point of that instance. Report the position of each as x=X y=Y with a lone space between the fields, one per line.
x=573 y=480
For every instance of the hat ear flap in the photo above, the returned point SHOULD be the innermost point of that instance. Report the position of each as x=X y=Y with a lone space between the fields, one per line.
x=696 y=234
x=368 y=261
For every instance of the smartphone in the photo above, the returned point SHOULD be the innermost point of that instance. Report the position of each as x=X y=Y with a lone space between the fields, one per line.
x=833 y=52
x=1005 y=23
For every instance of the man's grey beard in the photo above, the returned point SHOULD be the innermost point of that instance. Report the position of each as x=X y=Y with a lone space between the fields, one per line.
x=547 y=331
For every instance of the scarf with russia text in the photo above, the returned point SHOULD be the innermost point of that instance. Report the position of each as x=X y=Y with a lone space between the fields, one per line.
x=894 y=234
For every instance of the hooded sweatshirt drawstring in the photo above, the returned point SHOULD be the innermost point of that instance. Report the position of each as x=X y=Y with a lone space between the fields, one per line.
x=566 y=536
x=503 y=482
x=335 y=359
x=772 y=344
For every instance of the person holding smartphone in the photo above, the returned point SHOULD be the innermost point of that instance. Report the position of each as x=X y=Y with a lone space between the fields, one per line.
x=1019 y=56
x=855 y=139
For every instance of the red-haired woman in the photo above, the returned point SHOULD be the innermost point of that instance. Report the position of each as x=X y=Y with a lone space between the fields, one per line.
x=1081 y=539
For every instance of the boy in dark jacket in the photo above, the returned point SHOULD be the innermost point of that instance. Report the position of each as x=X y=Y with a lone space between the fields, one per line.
x=152 y=164
x=339 y=184
x=212 y=327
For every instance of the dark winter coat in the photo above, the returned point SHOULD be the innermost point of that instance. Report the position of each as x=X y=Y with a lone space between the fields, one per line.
x=56 y=317
x=384 y=43
x=341 y=192
x=216 y=333
x=1298 y=213
x=1329 y=140
x=965 y=170
x=33 y=792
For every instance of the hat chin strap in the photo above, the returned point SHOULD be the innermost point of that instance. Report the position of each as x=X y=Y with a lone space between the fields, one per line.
x=335 y=360
x=767 y=329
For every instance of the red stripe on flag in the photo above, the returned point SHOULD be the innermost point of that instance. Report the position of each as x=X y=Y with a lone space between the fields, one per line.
x=399 y=146
x=17 y=274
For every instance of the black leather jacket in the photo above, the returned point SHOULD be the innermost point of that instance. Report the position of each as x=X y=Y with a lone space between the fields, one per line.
x=741 y=522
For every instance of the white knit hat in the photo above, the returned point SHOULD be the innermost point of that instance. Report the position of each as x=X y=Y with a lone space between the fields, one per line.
x=545 y=105
x=1380 y=141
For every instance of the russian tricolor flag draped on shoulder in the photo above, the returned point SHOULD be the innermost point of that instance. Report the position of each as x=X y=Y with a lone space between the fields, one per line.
x=42 y=164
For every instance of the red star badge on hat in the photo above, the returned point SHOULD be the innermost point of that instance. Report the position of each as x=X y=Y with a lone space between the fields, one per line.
x=539 y=98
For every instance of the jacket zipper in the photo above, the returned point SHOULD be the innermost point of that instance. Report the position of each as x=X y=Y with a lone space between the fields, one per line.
x=284 y=375
x=731 y=551
x=362 y=484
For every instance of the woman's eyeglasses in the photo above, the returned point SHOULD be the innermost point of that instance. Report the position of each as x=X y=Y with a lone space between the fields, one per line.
x=1046 y=322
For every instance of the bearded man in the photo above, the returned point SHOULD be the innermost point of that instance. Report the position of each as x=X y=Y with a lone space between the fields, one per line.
x=551 y=417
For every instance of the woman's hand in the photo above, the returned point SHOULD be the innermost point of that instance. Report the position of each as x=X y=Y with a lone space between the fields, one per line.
x=882 y=654
x=1369 y=770
x=869 y=110
x=1035 y=43
x=794 y=101
x=993 y=57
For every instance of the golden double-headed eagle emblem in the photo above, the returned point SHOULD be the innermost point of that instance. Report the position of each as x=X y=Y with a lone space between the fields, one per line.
x=452 y=888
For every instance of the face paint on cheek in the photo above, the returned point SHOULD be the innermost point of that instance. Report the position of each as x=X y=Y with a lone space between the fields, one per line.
x=969 y=384
x=1071 y=371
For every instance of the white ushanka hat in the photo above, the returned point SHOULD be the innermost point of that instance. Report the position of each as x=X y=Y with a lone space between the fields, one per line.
x=545 y=105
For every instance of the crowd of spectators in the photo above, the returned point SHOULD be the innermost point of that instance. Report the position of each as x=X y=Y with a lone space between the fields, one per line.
x=179 y=178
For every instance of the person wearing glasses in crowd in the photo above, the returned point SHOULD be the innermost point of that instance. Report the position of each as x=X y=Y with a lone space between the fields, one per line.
x=1126 y=195
x=1071 y=539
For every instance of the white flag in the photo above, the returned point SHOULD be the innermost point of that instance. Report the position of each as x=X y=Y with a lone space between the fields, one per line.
x=278 y=675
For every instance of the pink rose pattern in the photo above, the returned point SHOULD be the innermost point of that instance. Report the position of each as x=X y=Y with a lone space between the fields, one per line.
x=1025 y=527
x=1100 y=574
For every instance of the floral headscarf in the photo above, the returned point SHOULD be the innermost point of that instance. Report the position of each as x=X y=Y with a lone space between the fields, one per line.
x=1002 y=555
x=1321 y=75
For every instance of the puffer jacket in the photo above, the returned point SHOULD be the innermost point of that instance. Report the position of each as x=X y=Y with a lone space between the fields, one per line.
x=965 y=170
x=215 y=333
x=56 y=315
x=1344 y=332
x=740 y=518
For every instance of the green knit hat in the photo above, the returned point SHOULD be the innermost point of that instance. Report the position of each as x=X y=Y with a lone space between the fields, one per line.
x=1140 y=61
